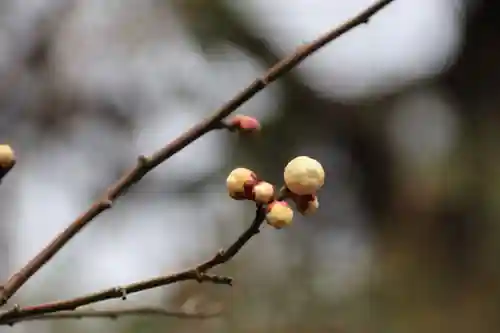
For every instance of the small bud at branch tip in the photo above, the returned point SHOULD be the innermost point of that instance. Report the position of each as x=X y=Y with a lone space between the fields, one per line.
x=244 y=124
x=7 y=157
x=7 y=160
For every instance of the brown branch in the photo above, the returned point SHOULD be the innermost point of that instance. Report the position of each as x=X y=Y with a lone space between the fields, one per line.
x=20 y=313
x=197 y=273
x=224 y=256
x=146 y=164
x=115 y=314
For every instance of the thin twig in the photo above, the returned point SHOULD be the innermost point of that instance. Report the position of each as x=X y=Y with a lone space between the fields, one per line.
x=17 y=313
x=146 y=164
x=224 y=256
x=5 y=170
x=197 y=273
x=115 y=314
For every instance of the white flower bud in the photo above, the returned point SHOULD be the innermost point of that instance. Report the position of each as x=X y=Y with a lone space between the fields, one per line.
x=304 y=175
x=279 y=214
x=7 y=157
x=263 y=192
x=238 y=180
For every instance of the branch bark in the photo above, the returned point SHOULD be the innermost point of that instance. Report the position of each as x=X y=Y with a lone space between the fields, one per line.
x=197 y=273
x=115 y=314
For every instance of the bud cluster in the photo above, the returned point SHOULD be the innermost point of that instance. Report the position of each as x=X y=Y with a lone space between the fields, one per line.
x=303 y=177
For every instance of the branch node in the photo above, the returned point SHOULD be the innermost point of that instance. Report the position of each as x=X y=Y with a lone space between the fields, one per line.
x=198 y=275
x=221 y=253
x=122 y=291
x=143 y=160
x=264 y=80
x=106 y=203
x=223 y=125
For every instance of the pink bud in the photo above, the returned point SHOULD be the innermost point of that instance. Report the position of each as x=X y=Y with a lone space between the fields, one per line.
x=244 y=123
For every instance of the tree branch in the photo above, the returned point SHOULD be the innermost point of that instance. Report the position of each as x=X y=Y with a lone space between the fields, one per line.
x=224 y=256
x=146 y=164
x=197 y=273
x=115 y=314
x=21 y=313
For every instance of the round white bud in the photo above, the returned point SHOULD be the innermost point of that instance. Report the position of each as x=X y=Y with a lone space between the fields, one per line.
x=279 y=214
x=235 y=182
x=7 y=157
x=304 y=175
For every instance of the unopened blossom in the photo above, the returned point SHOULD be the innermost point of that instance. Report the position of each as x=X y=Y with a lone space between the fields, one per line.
x=7 y=157
x=263 y=192
x=304 y=175
x=279 y=214
x=240 y=183
x=244 y=123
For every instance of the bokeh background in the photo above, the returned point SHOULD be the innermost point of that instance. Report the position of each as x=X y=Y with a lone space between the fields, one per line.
x=402 y=112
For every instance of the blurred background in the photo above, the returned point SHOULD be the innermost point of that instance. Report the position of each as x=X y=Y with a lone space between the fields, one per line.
x=402 y=112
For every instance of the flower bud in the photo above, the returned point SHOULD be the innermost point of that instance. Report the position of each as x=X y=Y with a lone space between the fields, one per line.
x=304 y=175
x=244 y=123
x=240 y=183
x=306 y=204
x=7 y=157
x=279 y=214
x=263 y=193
